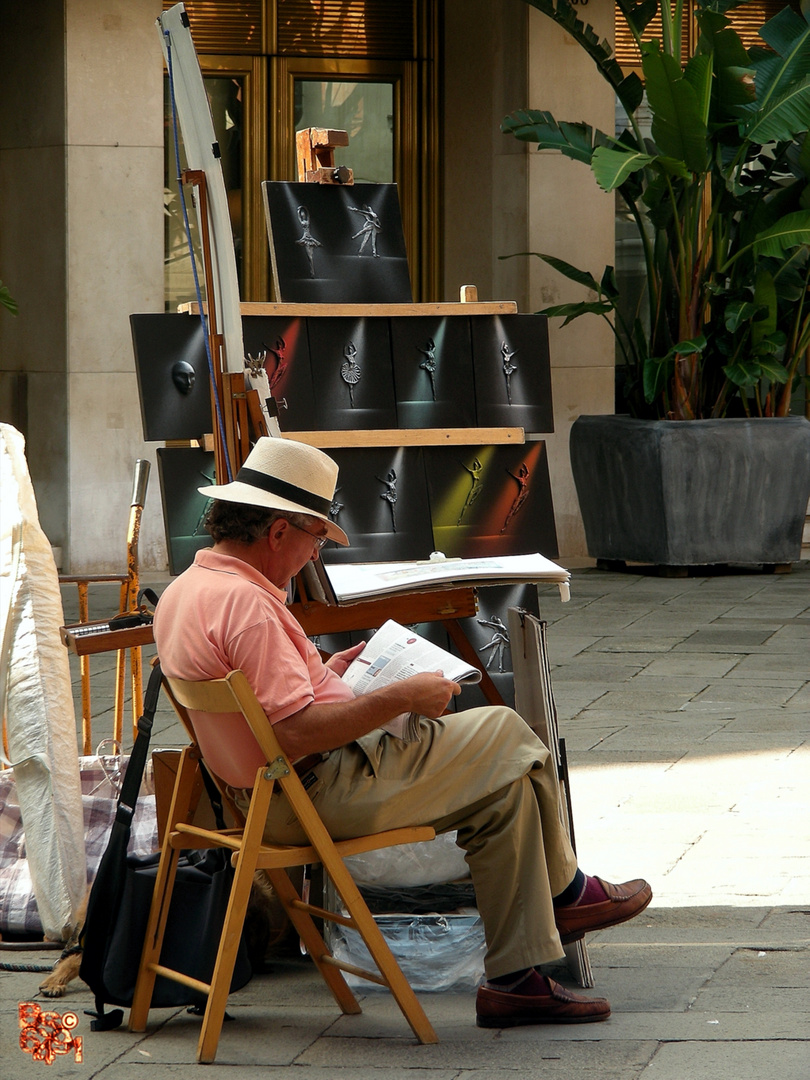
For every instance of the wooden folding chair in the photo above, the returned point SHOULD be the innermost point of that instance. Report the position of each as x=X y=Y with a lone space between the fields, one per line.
x=250 y=852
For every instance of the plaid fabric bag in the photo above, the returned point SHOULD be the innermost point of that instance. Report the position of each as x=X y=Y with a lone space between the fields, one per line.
x=100 y=782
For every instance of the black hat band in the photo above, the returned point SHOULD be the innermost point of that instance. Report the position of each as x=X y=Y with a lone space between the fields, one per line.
x=291 y=492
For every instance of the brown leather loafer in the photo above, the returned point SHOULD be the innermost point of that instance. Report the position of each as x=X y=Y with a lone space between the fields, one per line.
x=497 y=1009
x=623 y=903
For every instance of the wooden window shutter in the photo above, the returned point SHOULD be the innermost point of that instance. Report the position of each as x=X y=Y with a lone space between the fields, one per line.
x=746 y=20
x=224 y=26
x=376 y=29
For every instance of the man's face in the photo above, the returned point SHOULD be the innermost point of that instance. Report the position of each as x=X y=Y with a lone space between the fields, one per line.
x=298 y=545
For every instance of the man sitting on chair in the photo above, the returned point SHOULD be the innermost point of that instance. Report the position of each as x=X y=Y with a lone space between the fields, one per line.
x=483 y=772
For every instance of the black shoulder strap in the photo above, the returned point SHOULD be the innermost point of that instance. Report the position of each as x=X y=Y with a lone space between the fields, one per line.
x=105 y=894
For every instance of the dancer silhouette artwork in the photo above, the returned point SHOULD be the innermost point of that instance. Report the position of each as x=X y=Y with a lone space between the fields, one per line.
x=522 y=479
x=307 y=241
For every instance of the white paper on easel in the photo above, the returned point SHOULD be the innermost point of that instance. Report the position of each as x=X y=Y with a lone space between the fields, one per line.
x=360 y=581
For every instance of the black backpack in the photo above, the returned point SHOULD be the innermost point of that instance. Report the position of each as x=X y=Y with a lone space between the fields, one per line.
x=118 y=906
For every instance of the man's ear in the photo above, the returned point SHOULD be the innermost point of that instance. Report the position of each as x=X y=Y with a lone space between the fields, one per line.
x=275 y=535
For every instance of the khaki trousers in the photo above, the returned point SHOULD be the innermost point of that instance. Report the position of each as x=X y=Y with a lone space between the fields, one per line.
x=484 y=773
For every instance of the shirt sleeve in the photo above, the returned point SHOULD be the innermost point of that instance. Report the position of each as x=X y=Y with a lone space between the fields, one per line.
x=276 y=667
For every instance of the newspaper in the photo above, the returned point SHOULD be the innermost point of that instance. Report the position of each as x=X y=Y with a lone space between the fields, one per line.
x=395 y=653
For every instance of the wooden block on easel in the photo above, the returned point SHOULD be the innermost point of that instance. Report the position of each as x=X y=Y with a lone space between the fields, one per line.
x=315 y=155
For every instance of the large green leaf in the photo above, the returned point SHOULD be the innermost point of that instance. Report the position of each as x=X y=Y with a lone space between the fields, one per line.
x=747 y=373
x=782 y=117
x=788 y=35
x=740 y=312
x=677 y=126
x=720 y=6
x=607 y=286
x=576 y=141
x=733 y=72
x=699 y=74
x=638 y=16
x=657 y=372
x=599 y=50
x=573 y=311
x=764 y=296
x=612 y=167
x=573 y=273
x=792 y=230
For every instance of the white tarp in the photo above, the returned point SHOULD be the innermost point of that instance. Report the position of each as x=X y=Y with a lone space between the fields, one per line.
x=35 y=695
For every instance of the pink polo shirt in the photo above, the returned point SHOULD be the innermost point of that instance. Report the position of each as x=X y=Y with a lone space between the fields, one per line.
x=222 y=614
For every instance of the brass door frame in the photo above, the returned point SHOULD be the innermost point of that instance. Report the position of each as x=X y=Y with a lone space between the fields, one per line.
x=255 y=256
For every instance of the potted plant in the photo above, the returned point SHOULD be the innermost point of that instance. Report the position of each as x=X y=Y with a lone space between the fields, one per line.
x=719 y=193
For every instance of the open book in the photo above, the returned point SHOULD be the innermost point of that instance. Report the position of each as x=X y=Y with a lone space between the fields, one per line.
x=396 y=653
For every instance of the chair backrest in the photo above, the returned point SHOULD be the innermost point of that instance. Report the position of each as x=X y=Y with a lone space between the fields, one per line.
x=231 y=694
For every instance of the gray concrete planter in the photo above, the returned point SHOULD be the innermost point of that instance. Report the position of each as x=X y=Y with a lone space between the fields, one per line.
x=692 y=493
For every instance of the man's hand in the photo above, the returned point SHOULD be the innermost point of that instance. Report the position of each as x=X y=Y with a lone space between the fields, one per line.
x=317 y=728
x=430 y=692
x=339 y=661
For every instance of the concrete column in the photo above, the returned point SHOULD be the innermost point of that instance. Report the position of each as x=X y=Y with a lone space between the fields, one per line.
x=570 y=217
x=114 y=171
x=81 y=161
x=33 y=346
x=484 y=66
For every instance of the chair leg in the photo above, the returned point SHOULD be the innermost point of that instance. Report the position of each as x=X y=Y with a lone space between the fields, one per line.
x=234 y=921
x=372 y=935
x=380 y=952
x=315 y=944
x=183 y=803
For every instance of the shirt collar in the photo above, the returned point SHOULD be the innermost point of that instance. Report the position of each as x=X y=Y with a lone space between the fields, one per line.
x=209 y=559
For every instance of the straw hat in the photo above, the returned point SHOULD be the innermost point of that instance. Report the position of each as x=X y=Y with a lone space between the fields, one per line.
x=285 y=475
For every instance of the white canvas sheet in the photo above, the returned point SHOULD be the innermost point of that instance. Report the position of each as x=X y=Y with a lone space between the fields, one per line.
x=36 y=696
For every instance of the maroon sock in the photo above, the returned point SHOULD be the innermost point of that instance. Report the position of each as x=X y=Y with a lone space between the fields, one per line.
x=593 y=893
x=526 y=983
x=590 y=892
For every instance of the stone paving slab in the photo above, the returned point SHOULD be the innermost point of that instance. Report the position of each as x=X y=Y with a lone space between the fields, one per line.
x=748 y=1060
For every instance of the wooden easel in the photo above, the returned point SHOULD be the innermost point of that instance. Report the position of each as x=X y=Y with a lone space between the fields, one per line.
x=316 y=164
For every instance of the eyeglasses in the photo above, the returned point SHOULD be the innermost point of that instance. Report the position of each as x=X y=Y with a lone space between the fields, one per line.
x=319 y=540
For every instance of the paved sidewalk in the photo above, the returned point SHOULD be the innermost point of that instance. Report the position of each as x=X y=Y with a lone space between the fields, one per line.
x=684 y=704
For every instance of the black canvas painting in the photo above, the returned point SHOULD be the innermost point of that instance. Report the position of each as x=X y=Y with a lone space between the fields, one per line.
x=488 y=633
x=351 y=374
x=334 y=244
x=382 y=504
x=182 y=470
x=283 y=344
x=491 y=500
x=512 y=371
x=173 y=381
x=433 y=376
